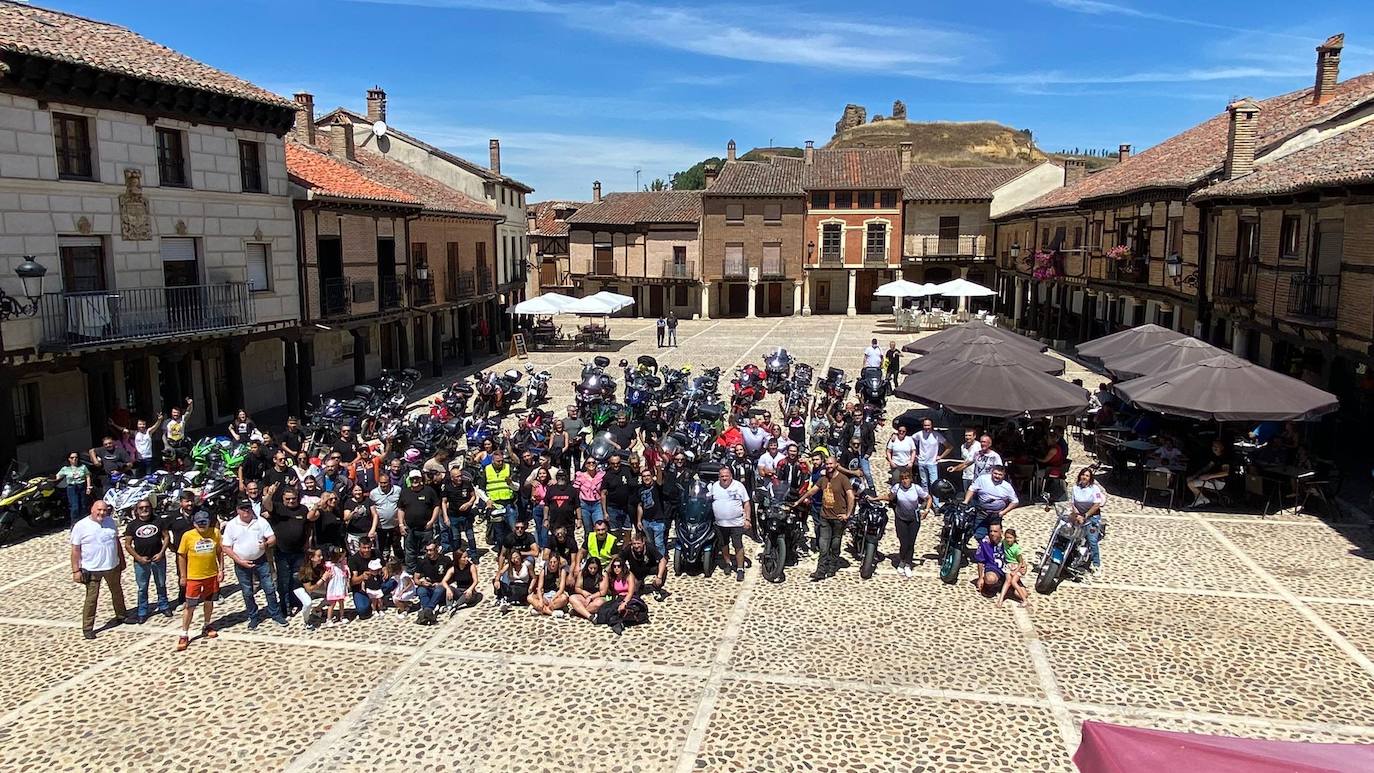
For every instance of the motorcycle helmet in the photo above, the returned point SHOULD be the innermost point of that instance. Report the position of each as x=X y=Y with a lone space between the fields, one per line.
x=412 y=455
x=942 y=490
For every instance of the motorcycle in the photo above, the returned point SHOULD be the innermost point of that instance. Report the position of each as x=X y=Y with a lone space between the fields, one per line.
x=777 y=368
x=959 y=520
x=218 y=453
x=834 y=388
x=593 y=387
x=219 y=495
x=696 y=525
x=872 y=388
x=497 y=393
x=780 y=529
x=866 y=528
x=125 y=492
x=1066 y=555
x=746 y=390
x=34 y=501
x=538 y=389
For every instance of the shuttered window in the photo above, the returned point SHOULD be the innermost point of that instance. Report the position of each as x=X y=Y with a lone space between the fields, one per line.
x=259 y=257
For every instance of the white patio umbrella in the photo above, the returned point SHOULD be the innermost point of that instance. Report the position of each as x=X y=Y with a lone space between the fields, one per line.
x=548 y=303
x=962 y=288
x=901 y=288
x=616 y=300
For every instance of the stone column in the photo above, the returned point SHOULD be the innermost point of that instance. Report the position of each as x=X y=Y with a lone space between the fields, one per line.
x=1240 y=339
x=797 y=297
x=963 y=300
x=436 y=346
x=1018 y=298
x=853 y=277
x=753 y=299
x=705 y=300
x=806 y=294
x=293 y=377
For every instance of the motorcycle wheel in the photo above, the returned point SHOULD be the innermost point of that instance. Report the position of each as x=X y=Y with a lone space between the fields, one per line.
x=679 y=563
x=529 y=400
x=870 y=560
x=8 y=519
x=708 y=562
x=774 y=556
x=1048 y=577
x=949 y=564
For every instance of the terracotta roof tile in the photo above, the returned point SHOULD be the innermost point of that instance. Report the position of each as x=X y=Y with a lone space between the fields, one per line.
x=546 y=222
x=926 y=182
x=330 y=177
x=39 y=32
x=1344 y=159
x=777 y=176
x=1186 y=159
x=873 y=168
x=433 y=195
x=642 y=207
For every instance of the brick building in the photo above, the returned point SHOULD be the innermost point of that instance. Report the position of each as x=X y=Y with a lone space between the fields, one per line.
x=752 y=238
x=153 y=190
x=645 y=245
x=548 y=235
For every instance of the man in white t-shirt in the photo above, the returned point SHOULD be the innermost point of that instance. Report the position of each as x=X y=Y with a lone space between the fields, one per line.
x=98 y=556
x=873 y=356
x=967 y=450
x=901 y=451
x=994 y=496
x=931 y=447
x=984 y=459
x=731 y=507
x=245 y=541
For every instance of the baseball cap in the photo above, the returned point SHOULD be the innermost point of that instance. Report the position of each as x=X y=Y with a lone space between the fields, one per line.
x=413 y=475
x=201 y=518
x=244 y=504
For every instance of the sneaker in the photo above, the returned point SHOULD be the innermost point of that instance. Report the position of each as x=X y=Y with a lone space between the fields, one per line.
x=344 y=620
x=818 y=575
x=209 y=632
x=90 y=635
x=619 y=628
x=253 y=623
x=166 y=613
x=182 y=643
x=559 y=614
x=739 y=575
x=281 y=621
x=505 y=608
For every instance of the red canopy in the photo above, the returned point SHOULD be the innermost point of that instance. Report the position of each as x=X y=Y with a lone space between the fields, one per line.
x=1120 y=749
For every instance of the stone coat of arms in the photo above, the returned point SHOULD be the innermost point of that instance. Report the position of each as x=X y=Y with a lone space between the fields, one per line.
x=134 y=223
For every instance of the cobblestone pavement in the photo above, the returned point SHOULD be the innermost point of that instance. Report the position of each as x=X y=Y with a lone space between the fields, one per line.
x=1207 y=622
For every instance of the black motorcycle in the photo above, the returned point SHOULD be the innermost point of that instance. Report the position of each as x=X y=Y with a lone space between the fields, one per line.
x=780 y=529
x=594 y=386
x=871 y=386
x=777 y=368
x=538 y=389
x=866 y=528
x=959 y=521
x=834 y=388
x=696 y=525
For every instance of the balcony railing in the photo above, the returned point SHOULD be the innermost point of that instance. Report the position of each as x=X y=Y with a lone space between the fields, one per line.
x=484 y=283
x=1134 y=270
x=80 y=320
x=1234 y=279
x=673 y=269
x=962 y=246
x=336 y=297
x=773 y=267
x=602 y=267
x=735 y=267
x=460 y=286
x=390 y=287
x=1314 y=295
x=422 y=292
x=831 y=258
x=875 y=257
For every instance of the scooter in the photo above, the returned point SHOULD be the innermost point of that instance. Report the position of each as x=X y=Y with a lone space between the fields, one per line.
x=696 y=526
x=1066 y=555
x=866 y=528
x=31 y=500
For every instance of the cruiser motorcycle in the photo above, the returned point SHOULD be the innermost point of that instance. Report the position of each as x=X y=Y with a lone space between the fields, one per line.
x=1066 y=555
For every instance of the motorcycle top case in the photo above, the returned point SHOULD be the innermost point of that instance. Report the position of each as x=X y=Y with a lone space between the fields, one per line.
x=601 y=361
x=834 y=375
x=353 y=406
x=362 y=390
x=711 y=411
x=646 y=361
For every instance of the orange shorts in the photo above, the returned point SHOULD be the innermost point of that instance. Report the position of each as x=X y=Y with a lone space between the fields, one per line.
x=202 y=590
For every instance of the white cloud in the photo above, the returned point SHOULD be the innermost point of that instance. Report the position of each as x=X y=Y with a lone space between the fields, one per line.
x=1051 y=77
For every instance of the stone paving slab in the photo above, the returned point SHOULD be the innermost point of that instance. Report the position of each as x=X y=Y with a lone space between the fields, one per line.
x=1353 y=621
x=38 y=657
x=1316 y=561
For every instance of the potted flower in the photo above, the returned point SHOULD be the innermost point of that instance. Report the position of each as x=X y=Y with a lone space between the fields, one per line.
x=1043 y=265
x=1126 y=265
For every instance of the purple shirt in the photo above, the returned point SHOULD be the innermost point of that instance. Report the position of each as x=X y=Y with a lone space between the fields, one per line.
x=990 y=556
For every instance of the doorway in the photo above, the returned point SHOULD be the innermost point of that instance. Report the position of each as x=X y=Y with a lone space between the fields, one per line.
x=823 y=296
x=333 y=287
x=769 y=299
x=865 y=282
x=738 y=296
x=656 y=301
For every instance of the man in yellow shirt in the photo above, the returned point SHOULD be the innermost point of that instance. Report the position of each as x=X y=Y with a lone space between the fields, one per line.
x=199 y=565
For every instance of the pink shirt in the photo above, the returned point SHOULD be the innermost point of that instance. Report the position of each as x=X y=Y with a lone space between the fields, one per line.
x=589 y=486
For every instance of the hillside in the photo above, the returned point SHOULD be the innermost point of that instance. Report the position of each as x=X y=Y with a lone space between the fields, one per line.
x=945 y=143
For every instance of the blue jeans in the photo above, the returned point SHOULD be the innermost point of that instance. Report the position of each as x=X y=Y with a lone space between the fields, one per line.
x=867 y=467
x=263 y=574
x=460 y=528
x=77 y=502
x=287 y=566
x=657 y=531
x=591 y=513
x=1094 y=524
x=929 y=472
x=619 y=519
x=431 y=596
x=414 y=545
x=157 y=570
x=362 y=604
x=541 y=534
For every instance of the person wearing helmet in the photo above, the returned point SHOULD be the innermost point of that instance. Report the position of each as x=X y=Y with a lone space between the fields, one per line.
x=910 y=503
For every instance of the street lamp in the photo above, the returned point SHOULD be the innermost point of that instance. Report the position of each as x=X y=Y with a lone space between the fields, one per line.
x=422 y=272
x=810 y=251
x=31 y=275
x=1015 y=250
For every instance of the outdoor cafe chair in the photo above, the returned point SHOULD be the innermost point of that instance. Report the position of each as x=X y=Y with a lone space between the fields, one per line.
x=1257 y=487
x=1159 y=481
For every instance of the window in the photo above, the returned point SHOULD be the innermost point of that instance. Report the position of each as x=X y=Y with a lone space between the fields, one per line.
x=72 y=136
x=250 y=167
x=1045 y=237
x=603 y=260
x=875 y=241
x=1143 y=246
x=734 y=213
x=180 y=268
x=844 y=199
x=1123 y=233
x=831 y=236
x=1247 y=241
x=865 y=199
x=680 y=295
x=1077 y=236
x=259 y=256
x=171 y=159
x=28 y=414
x=889 y=199
x=820 y=200
x=83 y=263
x=772 y=259
x=679 y=255
x=734 y=260
x=1057 y=243
x=1289 y=235
x=1174 y=237
x=772 y=213
x=503 y=195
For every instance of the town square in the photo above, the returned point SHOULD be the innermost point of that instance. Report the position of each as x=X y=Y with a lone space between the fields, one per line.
x=330 y=444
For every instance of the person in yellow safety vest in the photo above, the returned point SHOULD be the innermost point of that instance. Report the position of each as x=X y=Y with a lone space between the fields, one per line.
x=600 y=544
x=500 y=486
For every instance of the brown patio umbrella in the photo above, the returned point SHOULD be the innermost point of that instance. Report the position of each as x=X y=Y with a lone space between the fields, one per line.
x=950 y=352
x=1228 y=388
x=1132 y=340
x=995 y=385
x=966 y=333
x=1158 y=359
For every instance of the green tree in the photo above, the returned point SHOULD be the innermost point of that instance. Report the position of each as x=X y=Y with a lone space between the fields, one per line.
x=657 y=185
x=694 y=177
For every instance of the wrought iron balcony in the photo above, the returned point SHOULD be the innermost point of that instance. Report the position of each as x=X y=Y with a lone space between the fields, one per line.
x=773 y=267
x=831 y=258
x=391 y=296
x=336 y=297
x=484 y=283
x=1314 y=296
x=461 y=286
x=673 y=269
x=735 y=267
x=90 y=319
x=875 y=257
x=422 y=292
x=962 y=246
x=1234 y=279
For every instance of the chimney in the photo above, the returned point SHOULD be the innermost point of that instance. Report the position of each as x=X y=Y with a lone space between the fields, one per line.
x=596 y=191
x=304 y=129
x=376 y=104
x=711 y=172
x=1123 y=152
x=810 y=154
x=1240 y=139
x=1074 y=170
x=494 y=149
x=904 y=152
x=341 y=139
x=1328 y=69
x=730 y=150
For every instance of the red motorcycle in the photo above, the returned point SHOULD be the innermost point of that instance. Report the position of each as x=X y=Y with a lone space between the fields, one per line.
x=747 y=389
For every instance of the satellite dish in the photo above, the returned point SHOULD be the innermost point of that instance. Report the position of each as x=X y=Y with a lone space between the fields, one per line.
x=379 y=129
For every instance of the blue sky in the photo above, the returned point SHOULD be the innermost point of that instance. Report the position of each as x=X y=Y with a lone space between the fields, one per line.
x=596 y=89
